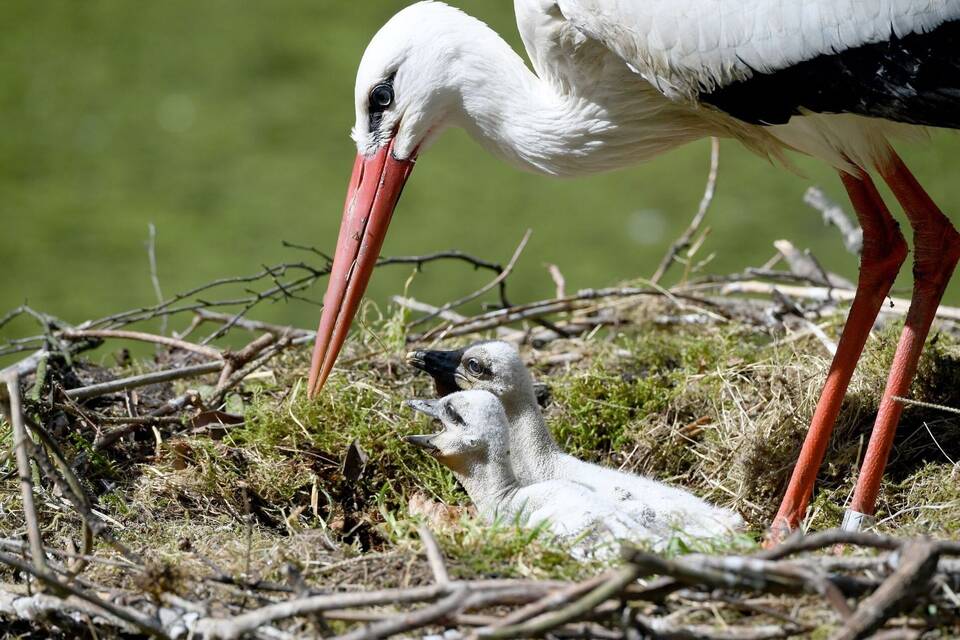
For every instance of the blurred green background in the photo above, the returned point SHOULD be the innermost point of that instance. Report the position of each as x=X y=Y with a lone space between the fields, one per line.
x=226 y=124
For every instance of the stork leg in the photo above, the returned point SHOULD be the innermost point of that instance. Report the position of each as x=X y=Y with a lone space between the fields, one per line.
x=936 y=252
x=884 y=251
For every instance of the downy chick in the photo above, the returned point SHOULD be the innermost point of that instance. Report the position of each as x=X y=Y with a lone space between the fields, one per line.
x=496 y=367
x=474 y=444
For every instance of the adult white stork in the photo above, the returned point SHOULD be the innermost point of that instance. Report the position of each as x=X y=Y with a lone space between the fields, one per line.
x=619 y=81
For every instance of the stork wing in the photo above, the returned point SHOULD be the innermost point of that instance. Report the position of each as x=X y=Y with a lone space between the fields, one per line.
x=695 y=49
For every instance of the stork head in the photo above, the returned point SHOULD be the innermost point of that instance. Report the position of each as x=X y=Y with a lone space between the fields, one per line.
x=406 y=93
x=473 y=426
x=493 y=366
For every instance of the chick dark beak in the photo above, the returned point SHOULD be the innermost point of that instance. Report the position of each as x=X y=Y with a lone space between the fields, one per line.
x=441 y=365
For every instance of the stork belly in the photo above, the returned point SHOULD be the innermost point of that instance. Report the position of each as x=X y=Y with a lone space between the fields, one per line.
x=845 y=141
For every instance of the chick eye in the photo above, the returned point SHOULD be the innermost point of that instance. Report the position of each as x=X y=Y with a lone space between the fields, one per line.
x=453 y=415
x=474 y=366
x=381 y=97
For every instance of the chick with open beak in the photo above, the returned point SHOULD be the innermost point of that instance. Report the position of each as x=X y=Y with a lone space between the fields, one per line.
x=474 y=443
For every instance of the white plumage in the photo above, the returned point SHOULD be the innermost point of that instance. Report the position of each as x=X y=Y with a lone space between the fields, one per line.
x=619 y=81
x=496 y=367
x=473 y=443
x=686 y=46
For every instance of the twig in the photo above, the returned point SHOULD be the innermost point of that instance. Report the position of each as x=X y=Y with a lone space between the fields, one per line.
x=131 y=616
x=804 y=265
x=22 y=547
x=926 y=405
x=541 y=624
x=579 y=301
x=434 y=555
x=103 y=388
x=251 y=325
x=501 y=277
x=686 y=237
x=799 y=543
x=552 y=601
x=107 y=438
x=21 y=442
x=829 y=294
x=558 y=280
x=154 y=273
x=451 y=316
x=665 y=630
x=740 y=573
x=918 y=563
x=237 y=360
x=231 y=628
x=75 y=334
x=834 y=214
x=413 y=620
x=265 y=356
x=72 y=490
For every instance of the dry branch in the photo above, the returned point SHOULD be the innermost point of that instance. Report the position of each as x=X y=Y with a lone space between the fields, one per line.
x=498 y=281
x=83 y=334
x=897 y=306
x=686 y=238
x=21 y=444
x=132 y=616
x=835 y=215
x=917 y=565
x=434 y=555
x=133 y=382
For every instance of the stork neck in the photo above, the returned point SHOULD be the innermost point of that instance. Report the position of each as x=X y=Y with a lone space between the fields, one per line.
x=536 y=125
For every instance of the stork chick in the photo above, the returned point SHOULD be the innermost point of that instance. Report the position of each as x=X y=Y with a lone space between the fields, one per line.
x=474 y=444
x=535 y=456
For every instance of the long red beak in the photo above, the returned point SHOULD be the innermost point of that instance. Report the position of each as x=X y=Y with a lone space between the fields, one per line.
x=372 y=196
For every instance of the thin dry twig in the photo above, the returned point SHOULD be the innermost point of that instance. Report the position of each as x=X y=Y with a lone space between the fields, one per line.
x=897 y=306
x=686 y=238
x=835 y=215
x=21 y=446
x=142 y=380
x=154 y=271
x=918 y=563
x=132 y=616
x=434 y=555
x=926 y=405
x=175 y=343
x=413 y=620
x=499 y=280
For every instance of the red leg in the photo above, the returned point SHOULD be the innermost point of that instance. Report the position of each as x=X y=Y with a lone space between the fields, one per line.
x=937 y=249
x=884 y=251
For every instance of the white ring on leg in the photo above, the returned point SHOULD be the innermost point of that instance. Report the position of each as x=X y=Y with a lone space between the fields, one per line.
x=856 y=521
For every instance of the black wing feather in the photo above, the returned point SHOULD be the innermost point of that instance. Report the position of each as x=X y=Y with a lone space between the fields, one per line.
x=913 y=79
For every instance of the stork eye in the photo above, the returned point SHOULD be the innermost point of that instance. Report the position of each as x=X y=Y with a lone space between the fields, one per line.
x=474 y=366
x=381 y=97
